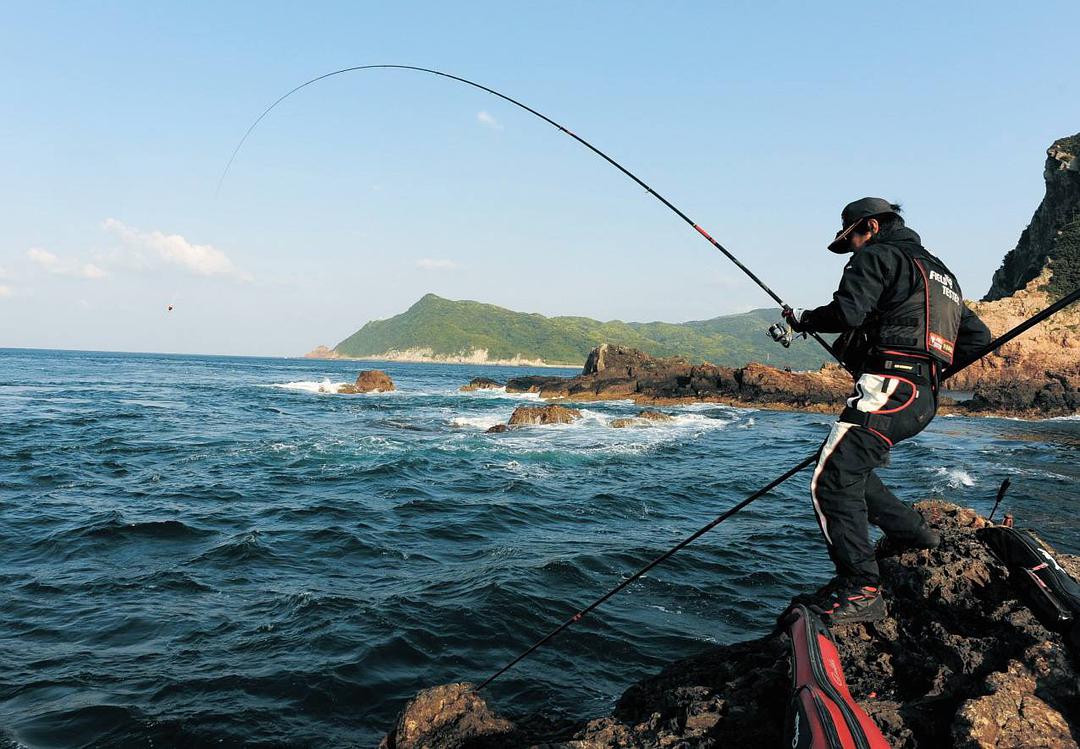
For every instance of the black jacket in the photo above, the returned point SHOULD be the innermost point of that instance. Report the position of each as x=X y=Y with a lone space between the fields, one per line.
x=877 y=278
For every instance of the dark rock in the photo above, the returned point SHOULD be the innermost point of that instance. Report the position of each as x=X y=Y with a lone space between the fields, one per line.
x=531 y=383
x=481 y=383
x=497 y=429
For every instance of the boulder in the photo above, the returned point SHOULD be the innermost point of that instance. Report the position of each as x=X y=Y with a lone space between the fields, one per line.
x=497 y=429
x=542 y=415
x=369 y=381
x=481 y=383
x=450 y=716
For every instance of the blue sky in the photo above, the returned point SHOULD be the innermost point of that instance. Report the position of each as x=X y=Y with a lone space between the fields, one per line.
x=363 y=192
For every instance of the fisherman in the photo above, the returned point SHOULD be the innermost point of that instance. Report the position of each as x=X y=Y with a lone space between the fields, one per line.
x=902 y=320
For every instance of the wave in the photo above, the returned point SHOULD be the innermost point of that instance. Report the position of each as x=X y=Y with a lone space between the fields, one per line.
x=477 y=422
x=955 y=478
x=325 y=387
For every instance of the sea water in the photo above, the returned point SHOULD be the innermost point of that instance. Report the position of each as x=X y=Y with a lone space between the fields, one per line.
x=209 y=550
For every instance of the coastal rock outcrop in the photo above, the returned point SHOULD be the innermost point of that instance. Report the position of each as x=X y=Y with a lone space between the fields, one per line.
x=959 y=661
x=369 y=381
x=618 y=372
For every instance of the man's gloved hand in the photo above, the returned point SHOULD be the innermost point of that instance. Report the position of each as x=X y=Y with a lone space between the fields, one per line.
x=793 y=317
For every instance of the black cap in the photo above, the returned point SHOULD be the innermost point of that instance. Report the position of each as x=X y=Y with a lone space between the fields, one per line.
x=855 y=212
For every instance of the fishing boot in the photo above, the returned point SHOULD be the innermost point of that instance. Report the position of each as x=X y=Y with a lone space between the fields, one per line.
x=823 y=597
x=856 y=603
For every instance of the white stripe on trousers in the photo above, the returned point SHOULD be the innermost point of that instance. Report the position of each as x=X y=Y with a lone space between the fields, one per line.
x=871 y=393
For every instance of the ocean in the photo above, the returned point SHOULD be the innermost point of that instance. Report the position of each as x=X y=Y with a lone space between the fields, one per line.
x=202 y=550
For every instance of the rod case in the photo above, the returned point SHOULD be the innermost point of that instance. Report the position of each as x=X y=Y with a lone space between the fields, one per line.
x=821 y=713
x=1047 y=588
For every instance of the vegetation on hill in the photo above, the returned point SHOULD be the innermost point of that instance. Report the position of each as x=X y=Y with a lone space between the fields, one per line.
x=451 y=328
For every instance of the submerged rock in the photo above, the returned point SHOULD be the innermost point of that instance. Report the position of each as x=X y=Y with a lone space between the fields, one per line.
x=369 y=381
x=959 y=661
x=643 y=419
x=541 y=415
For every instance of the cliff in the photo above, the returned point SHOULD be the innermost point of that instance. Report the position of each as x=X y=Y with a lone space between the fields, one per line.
x=959 y=661
x=1044 y=265
x=1052 y=239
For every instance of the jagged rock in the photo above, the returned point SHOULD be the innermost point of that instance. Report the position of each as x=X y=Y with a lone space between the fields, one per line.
x=959 y=661
x=450 y=716
x=369 y=381
x=497 y=429
x=480 y=383
x=541 y=415
x=1011 y=717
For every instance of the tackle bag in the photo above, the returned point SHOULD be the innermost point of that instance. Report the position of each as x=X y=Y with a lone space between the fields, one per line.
x=1047 y=588
x=821 y=713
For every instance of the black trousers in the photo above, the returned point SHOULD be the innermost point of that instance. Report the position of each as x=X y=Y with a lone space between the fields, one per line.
x=846 y=492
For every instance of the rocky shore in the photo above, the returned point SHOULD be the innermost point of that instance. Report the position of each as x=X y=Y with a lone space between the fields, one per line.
x=959 y=662
x=617 y=372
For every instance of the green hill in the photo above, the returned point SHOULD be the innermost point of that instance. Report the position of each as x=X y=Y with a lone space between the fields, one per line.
x=452 y=328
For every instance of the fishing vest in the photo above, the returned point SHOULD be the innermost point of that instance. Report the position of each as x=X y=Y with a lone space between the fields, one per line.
x=928 y=321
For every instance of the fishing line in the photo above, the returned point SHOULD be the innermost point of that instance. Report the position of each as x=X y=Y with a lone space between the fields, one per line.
x=753 y=277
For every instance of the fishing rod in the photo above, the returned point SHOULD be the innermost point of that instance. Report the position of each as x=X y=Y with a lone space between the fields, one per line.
x=753 y=277
x=979 y=354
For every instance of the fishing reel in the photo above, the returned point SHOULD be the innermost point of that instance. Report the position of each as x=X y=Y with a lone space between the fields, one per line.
x=782 y=333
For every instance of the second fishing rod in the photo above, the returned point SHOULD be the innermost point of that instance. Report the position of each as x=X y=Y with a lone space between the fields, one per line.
x=809 y=460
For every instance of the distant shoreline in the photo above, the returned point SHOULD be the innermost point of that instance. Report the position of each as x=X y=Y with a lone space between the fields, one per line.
x=421 y=356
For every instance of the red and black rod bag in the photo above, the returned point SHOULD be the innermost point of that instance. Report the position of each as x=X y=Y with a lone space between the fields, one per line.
x=1048 y=589
x=821 y=713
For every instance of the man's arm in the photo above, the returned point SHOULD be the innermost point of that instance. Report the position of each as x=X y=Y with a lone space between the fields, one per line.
x=865 y=276
x=972 y=336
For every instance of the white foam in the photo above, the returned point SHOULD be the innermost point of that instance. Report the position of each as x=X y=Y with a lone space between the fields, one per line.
x=477 y=422
x=496 y=393
x=310 y=386
x=955 y=477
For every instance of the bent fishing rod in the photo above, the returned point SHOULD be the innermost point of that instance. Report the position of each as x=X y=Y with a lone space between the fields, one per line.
x=978 y=354
x=753 y=277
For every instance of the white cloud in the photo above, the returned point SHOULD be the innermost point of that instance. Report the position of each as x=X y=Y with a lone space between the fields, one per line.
x=487 y=120
x=58 y=266
x=199 y=259
x=4 y=273
x=6 y=291
x=427 y=263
